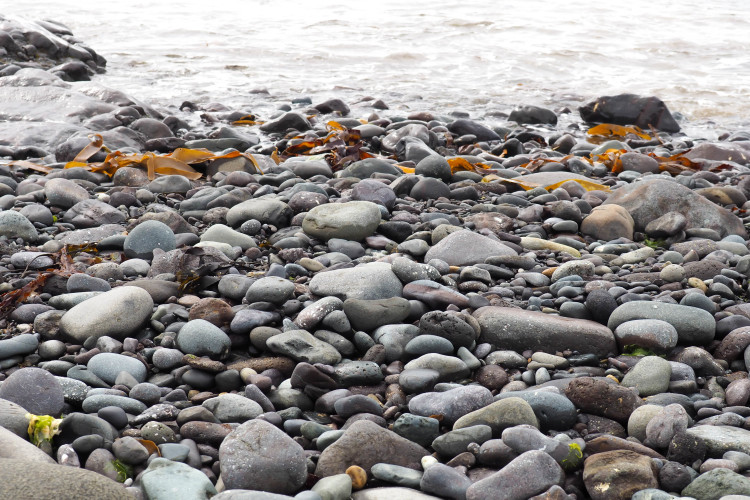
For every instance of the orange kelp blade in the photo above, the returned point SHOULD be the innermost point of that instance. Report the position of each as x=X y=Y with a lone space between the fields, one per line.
x=611 y=159
x=31 y=166
x=169 y=166
x=176 y=163
x=187 y=155
x=612 y=130
x=249 y=120
x=93 y=147
x=191 y=156
x=459 y=164
x=676 y=163
x=528 y=186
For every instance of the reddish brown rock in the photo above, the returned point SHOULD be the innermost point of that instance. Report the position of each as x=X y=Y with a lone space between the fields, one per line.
x=493 y=377
x=281 y=363
x=205 y=432
x=733 y=345
x=605 y=443
x=608 y=222
x=617 y=475
x=606 y=399
x=213 y=310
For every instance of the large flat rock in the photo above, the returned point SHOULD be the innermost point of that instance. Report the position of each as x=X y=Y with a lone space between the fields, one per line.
x=370 y=281
x=650 y=199
x=722 y=438
x=464 y=248
x=519 y=330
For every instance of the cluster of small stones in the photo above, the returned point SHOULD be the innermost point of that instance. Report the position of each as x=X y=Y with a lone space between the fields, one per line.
x=319 y=334
x=47 y=45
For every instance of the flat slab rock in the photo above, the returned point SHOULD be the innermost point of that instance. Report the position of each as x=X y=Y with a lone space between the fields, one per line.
x=519 y=330
x=366 y=281
x=365 y=444
x=464 y=248
x=722 y=438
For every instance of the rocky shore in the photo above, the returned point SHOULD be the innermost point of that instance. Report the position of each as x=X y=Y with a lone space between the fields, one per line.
x=337 y=300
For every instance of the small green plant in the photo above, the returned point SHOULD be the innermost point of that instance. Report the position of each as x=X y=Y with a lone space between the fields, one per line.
x=42 y=428
x=573 y=460
x=636 y=350
x=655 y=244
x=124 y=471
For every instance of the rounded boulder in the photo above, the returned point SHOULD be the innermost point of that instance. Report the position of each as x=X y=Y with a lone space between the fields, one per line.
x=354 y=220
x=116 y=313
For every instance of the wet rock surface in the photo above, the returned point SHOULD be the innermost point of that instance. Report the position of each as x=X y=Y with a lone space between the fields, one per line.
x=389 y=306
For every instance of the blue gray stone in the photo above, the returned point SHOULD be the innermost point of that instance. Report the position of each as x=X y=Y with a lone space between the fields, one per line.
x=201 y=338
x=19 y=345
x=694 y=326
x=452 y=404
x=270 y=289
x=147 y=236
x=95 y=402
x=34 y=389
x=166 y=480
x=455 y=442
x=107 y=365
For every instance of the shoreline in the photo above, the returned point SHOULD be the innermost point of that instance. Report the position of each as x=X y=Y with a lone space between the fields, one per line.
x=338 y=300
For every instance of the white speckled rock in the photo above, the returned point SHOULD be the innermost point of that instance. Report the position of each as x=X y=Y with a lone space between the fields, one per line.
x=259 y=455
x=116 y=313
x=15 y=225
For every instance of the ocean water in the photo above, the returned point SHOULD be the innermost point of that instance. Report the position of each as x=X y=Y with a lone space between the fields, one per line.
x=437 y=55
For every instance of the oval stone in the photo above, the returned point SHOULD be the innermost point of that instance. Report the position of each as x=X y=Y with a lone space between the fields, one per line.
x=354 y=220
x=116 y=313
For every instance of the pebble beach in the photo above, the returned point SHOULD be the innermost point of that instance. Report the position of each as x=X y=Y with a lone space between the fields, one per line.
x=335 y=299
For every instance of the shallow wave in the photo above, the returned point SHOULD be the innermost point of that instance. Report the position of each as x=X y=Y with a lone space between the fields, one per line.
x=542 y=52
